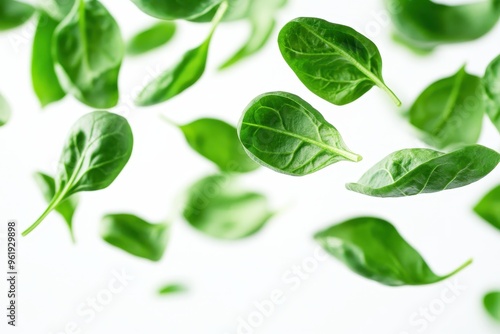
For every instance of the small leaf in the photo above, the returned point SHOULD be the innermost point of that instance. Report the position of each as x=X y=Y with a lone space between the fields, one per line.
x=373 y=248
x=97 y=149
x=489 y=207
x=14 y=13
x=491 y=83
x=66 y=208
x=151 y=38
x=175 y=9
x=171 y=289
x=183 y=75
x=5 y=111
x=135 y=236
x=218 y=141
x=89 y=50
x=284 y=133
x=217 y=208
x=491 y=302
x=417 y=171
x=43 y=73
x=450 y=111
x=333 y=61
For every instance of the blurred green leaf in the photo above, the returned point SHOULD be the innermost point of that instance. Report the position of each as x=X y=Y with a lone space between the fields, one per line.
x=491 y=83
x=57 y=9
x=488 y=207
x=491 y=302
x=5 y=111
x=175 y=9
x=151 y=38
x=14 y=13
x=171 y=289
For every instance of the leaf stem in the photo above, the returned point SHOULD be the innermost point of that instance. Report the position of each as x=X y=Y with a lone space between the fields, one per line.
x=462 y=267
x=55 y=201
x=393 y=96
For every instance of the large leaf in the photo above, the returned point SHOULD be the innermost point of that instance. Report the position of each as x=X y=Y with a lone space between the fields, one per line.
x=450 y=111
x=491 y=83
x=89 y=51
x=175 y=9
x=14 y=13
x=373 y=248
x=98 y=147
x=426 y=24
x=217 y=207
x=151 y=38
x=283 y=132
x=333 y=61
x=135 y=235
x=491 y=302
x=488 y=207
x=43 y=74
x=417 y=171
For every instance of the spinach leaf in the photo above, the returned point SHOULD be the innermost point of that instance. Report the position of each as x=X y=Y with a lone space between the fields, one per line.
x=333 y=61
x=416 y=171
x=88 y=50
x=153 y=37
x=98 y=147
x=426 y=24
x=66 y=208
x=135 y=236
x=284 y=133
x=14 y=13
x=236 y=10
x=5 y=111
x=43 y=73
x=218 y=141
x=489 y=207
x=183 y=75
x=373 y=248
x=175 y=9
x=57 y=9
x=450 y=111
x=491 y=302
x=169 y=289
x=491 y=83
x=261 y=18
x=218 y=208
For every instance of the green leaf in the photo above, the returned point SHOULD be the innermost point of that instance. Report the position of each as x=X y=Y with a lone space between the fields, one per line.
x=57 y=9
x=489 y=207
x=5 y=111
x=183 y=75
x=450 y=111
x=175 y=9
x=373 y=248
x=426 y=24
x=171 y=289
x=135 y=236
x=218 y=141
x=66 y=208
x=333 y=61
x=14 y=13
x=151 y=38
x=43 y=74
x=236 y=10
x=417 y=171
x=261 y=17
x=89 y=50
x=491 y=83
x=98 y=147
x=491 y=302
x=218 y=208
x=284 y=133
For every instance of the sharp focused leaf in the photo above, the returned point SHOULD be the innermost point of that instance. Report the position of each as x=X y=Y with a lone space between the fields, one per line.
x=66 y=208
x=491 y=83
x=218 y=142
x=450 y=111
x=333 y=61
x=43 y=74
x=417 y=171
x=14 y=13
x=216 y=207
x=175 y=9
x=183 y=75
x=57 y=9
x=489 y=207
x=135 y=236
x=171 y=289
x=373 y=248
x=98 y=147
x=5 y=111
x=426 y=24
x=151 y=38
x=283 y=132
x=89 y=50
x=491 y=302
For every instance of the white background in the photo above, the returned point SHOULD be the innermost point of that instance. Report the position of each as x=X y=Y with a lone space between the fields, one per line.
x=226 y=278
